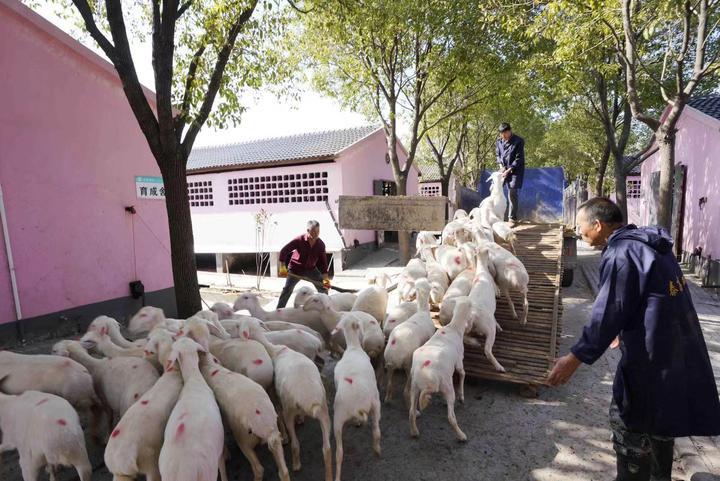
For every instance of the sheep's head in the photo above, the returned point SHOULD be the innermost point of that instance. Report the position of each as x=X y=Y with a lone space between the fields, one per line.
x=318 y=302
x=423 y=287
x=302 y=294
x=183 y=350
x=91 y=339
x=250 y=328
x=460 y=214
x=62 y=348
x=103 y=324
x=437 y=291
x=197 y=329
x=347 y=323
x=223 y=310
x=246 y=301
x=145 y=319
x=159 y=341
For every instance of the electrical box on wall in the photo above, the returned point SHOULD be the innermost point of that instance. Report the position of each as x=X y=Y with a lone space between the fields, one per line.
x=137 y=289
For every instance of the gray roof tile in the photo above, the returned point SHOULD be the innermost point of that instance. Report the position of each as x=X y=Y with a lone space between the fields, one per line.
x=278 y=150
x=429 y=172
x=709 y=105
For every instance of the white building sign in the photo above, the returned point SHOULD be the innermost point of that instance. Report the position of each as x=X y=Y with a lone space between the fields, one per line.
x=149 y=188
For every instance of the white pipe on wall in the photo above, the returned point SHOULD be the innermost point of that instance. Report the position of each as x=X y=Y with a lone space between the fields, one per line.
x=8 y=250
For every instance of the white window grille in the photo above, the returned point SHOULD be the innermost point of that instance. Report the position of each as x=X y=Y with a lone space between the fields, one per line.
x=278 y=189
x=201 y=193
x=430 y=190
x=634 y=189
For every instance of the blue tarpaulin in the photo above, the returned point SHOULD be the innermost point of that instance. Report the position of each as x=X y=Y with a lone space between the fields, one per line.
x=541 y=198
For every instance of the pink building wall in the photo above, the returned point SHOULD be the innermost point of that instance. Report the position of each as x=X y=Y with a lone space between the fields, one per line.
x=69 y=150
x=361 y=164
x=697 y=147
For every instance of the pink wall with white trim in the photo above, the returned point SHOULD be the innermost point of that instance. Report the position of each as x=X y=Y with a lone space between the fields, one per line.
x=69 y=150
x=364 y=162
x=697 y=147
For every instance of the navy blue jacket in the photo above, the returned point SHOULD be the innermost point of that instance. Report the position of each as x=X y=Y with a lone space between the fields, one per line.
x=664 y=384
x=512 y=154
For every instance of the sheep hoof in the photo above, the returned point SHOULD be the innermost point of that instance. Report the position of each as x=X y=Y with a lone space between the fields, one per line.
x=462 y=437
x=414 y=434
x=297 y=466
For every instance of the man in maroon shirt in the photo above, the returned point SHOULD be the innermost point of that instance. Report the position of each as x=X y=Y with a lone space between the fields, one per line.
x=304 y=256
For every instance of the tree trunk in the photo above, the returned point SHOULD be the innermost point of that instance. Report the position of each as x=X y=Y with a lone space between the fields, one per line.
x=403 y=235
x=602 y=169
x=182 y=252
x=445 y=191
x=621 y=185
x=665 y=138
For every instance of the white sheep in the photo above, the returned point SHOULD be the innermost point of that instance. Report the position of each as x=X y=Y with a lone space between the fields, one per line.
x=245 y=357
x=251 y=302
x=455 y=233
x=251 y=421
x=111 y=327
x=460 y=214
x=397 y=315
x=482 y=312
x=341 y=301
x=460 y=286
x=149 y=317
x=194 y=438
x=214 y=324
x=298 y=340
x=425 y=239
x=496 y=201
x=439 y=281
x=301 y=391
x=373 y=299
x=407 y=337
x=372 y=337
x=414 y=270
x=134 y=445
x=51 y=374
x=356 y=392
x=510 y=275
x=433 y=366
x=119 y=381
x=101 y=341
x=223 y=310
x=45 y=430
x=453 y=260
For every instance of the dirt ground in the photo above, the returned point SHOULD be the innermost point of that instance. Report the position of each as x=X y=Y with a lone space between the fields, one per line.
x=561 y=435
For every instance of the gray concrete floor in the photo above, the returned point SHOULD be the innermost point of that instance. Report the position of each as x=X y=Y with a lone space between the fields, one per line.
x=561 y=435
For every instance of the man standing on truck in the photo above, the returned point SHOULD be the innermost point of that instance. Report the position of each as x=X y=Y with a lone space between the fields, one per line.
x=664 y=384
x=510 y=155
x=304 y=256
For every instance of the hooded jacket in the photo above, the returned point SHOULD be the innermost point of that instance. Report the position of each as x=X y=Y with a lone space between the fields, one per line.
x=664 y=383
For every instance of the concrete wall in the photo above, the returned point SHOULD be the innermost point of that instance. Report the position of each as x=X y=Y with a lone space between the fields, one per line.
x=69 y=150
x=697 y=147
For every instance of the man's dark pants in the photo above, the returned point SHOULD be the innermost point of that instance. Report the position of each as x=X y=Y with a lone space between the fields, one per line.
x=514 y=202
x=640 y=457
x=291 y=282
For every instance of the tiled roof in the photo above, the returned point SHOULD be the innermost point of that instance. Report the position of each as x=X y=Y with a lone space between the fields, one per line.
x=429 y=172
x=278 y=150
x=709 y=105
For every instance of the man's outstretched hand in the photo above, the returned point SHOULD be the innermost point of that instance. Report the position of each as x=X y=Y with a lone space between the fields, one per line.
x=326 y=283
x=283 y=271
x=563 y=370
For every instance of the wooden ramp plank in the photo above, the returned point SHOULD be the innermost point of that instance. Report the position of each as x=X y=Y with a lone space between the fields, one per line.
x=527 y=352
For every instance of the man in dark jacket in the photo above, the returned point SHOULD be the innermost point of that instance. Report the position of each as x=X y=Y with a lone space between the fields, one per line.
x=510 y=155
x=664 y=384
x=304 y=256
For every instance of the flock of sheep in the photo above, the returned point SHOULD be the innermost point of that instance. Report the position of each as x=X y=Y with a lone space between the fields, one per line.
x=161 y=403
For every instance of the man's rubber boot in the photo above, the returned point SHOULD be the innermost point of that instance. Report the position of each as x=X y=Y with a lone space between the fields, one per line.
x=632 y=469
x=662 y=460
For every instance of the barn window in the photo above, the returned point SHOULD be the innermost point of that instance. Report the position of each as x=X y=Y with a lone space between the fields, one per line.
x=200 y=193
x=634 y=189
x=296 y=190
x=430 y=190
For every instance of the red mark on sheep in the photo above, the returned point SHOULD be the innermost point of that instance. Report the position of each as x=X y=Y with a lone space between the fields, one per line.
x=246 y=334
x=67 y=363
x=214 y=372
x=257 y=362
x=257 y=411
x=62 y=422
x=426 y=363
x=180 y=430
x=135 y=366
x=144 y=402
x=42 y=401
x=393 y=342
x=373 y=322
x=115 y=433
x=442 y=332
x=349 y=380
x=458 y=261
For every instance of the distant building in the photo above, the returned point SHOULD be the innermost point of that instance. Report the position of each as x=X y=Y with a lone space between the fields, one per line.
x=293 y=179
x=431 y=186
x=70 y=152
